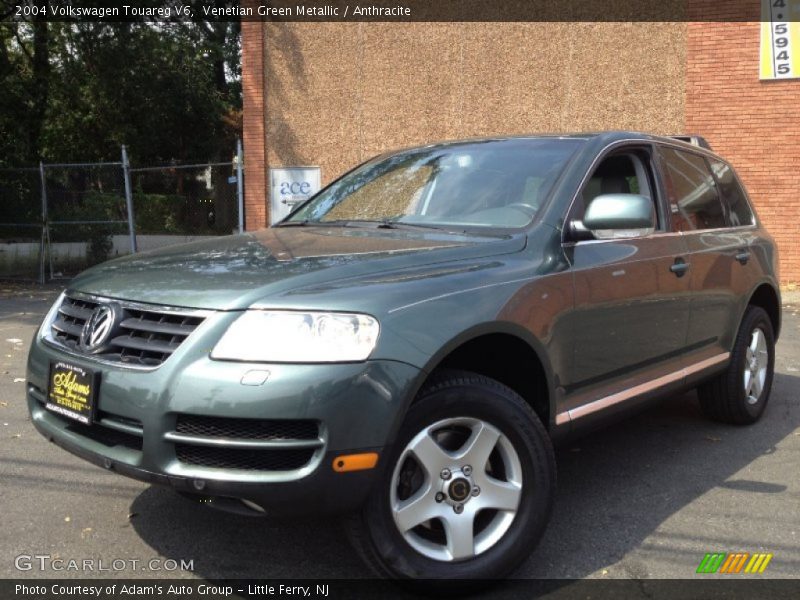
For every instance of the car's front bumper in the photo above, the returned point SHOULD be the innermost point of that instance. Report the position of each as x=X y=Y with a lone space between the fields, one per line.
x=357 y=407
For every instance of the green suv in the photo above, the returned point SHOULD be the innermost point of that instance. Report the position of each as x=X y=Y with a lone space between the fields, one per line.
x=407 y=345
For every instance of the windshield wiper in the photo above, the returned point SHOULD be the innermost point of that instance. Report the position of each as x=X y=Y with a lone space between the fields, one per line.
x=310 y=223
x=389 y=224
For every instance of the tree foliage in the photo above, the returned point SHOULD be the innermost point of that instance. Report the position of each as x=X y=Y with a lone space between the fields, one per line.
x=76 y=91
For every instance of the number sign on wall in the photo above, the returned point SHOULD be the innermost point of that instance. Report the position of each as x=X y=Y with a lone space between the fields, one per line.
x=780 y=39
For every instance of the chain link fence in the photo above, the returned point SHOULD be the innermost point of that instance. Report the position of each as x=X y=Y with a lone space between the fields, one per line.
x=58 y=219
x=84 y=207
x=21 y=232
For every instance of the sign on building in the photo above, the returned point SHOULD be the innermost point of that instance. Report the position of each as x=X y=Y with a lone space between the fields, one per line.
x=290 y=186
x=780 y=39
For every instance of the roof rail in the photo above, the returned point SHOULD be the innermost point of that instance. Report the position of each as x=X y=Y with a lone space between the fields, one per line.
x=695 y=140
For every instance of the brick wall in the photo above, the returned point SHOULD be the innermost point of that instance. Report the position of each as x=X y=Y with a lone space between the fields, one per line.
x=754 y=124
x=253 y=140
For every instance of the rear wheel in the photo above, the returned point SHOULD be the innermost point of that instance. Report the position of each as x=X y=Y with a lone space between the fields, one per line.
x=468 y=488
x=740 y=394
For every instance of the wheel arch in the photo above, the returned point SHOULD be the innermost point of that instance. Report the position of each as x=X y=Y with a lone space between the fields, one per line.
x=501 y=341
x=766 y=296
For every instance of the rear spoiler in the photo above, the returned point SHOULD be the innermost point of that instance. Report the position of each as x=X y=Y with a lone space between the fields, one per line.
x=694 y=140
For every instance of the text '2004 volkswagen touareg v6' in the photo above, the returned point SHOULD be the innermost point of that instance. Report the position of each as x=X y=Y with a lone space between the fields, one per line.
x=405 y=346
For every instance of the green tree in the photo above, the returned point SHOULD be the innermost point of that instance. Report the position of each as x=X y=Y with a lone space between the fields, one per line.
x=77 y=91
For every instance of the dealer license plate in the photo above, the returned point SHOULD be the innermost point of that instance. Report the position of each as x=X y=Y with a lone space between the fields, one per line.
x=72 y=391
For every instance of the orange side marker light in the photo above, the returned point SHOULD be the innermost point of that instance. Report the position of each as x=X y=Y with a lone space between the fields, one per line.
x=355 y=462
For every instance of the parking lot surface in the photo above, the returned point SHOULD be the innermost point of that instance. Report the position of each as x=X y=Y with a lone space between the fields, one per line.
x=647 y=497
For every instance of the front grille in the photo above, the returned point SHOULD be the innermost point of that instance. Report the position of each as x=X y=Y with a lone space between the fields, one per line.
x=118 y=420
x=143 y=336
x=72 y=316
x=103 y=433
x=244 y=459
x=107 y=437
x=247 y=444
x=247 y=429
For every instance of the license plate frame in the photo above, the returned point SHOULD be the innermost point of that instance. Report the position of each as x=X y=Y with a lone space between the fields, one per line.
x=72 y=391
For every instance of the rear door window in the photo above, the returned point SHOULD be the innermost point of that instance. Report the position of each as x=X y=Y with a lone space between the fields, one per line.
x=692 y=194
x=732 y=192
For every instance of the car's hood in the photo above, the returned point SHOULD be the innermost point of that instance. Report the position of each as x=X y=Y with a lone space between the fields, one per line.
x=232 y=272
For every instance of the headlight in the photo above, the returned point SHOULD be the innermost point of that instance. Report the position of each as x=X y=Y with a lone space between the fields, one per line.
x=298 y=337
x=44 y=328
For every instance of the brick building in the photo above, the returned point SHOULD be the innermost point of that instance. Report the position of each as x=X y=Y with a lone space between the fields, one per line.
x=334 y=94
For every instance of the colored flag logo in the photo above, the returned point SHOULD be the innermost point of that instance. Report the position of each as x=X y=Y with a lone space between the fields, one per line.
x=736 y=562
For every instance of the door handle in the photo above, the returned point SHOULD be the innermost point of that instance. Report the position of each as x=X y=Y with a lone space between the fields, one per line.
x=743 y=256
x=679 y=267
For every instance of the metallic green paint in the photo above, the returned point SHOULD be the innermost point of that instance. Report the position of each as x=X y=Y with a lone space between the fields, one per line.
x=602 y=316
x=231 y=273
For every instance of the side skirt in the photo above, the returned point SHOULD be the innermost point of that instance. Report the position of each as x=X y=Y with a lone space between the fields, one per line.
x=694 y=372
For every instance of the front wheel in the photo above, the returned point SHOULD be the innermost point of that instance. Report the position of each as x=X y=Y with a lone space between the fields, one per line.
x=740 y=394
x=467 y=490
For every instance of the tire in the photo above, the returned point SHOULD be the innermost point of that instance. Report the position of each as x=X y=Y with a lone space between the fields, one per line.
x=458 y=411
x=729 y=397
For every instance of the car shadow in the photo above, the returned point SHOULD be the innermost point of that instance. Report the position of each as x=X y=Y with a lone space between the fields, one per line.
x=616 y=487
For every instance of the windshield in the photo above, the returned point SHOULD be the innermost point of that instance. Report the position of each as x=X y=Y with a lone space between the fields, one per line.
x=492 y=183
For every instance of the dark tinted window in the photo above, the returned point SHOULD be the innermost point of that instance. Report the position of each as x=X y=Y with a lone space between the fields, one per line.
x=733 y=194
x=691 y=191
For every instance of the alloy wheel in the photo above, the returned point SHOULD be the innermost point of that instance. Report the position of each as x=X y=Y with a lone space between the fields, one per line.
x=755 y=366
x=456 y=489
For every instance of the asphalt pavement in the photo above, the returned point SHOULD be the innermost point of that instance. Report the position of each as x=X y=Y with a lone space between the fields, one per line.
x=647 y=497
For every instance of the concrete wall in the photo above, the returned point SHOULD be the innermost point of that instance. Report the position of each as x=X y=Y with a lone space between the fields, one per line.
x=335 y=94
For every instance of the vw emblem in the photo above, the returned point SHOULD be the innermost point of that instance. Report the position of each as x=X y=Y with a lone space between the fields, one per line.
x=98 y=329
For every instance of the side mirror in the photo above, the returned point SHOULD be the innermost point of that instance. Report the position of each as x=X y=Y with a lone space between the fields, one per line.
x=620 y=215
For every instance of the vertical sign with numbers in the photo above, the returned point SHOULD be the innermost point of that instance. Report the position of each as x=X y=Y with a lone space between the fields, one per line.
x=780 y=39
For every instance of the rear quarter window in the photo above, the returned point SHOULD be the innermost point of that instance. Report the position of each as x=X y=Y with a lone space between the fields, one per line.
x=732 y=192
